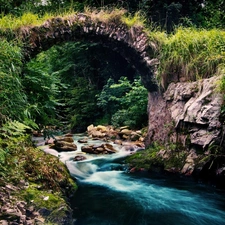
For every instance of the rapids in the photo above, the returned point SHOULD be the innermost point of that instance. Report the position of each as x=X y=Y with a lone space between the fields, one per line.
x=109 y=195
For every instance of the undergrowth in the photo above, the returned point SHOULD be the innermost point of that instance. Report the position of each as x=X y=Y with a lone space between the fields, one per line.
x=20 y=160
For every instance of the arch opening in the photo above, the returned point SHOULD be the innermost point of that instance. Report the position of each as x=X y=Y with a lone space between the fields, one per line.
x=86 y=72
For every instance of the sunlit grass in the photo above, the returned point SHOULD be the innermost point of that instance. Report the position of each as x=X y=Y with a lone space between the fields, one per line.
x=105 y=14
x=192 y=54
x=136 y=20
x=29 y=19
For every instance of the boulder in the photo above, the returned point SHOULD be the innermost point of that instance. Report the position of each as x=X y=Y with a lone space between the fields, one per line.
x=118 y=142
x=98 y=149
x=87 y=149
x=97 y=134
x=84 y=140
x=64 y=146
x=101 y=128
x=66 y=139
x=79 y=158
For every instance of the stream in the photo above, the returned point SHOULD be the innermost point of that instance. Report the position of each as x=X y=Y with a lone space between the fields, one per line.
x=109 y=195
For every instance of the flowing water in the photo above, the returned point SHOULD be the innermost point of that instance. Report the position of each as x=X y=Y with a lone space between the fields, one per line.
x=109 y=195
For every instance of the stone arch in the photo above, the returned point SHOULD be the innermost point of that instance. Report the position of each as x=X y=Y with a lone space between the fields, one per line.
x=132 y=43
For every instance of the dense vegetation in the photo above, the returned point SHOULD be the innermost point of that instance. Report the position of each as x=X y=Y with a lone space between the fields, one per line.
x=75 y=84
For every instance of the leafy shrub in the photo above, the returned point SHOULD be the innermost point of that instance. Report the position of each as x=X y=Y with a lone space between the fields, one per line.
x=125 y=102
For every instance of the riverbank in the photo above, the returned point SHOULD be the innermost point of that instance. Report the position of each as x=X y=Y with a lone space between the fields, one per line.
x=35 y=187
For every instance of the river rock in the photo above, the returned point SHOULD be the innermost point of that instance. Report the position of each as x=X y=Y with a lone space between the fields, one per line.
x=118 y=142
x=79 y=158
x=84 y=140
x=87 y=149
x=101 y=128
x=98 y=149
x=64 y=146
x=66 y=139
x=101 y=132
x=98 y=134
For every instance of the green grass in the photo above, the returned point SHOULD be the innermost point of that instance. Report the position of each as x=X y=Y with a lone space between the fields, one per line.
x=12 y=22
x=192 y=54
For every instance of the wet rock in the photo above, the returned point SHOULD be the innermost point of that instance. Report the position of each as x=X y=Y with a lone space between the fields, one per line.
x=84 y=140
x=79 y=158
x=87 y=149
x=97 y=134
x=118 y=142
x=49 y=141
x=68 y=135
x=64 y=146
x=101 y=128
x=66 y=139
x=98 y=149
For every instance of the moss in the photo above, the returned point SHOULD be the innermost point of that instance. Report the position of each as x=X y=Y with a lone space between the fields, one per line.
x=150 y=158
x=176 y=160
x=37 y=197
x=147 y=158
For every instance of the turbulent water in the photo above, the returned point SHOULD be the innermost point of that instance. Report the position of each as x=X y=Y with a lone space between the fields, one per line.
x=109 y=195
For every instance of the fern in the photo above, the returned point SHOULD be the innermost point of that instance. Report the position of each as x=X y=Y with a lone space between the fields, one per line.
x=13 y=129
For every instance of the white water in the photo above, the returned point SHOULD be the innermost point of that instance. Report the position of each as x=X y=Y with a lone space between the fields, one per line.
x=108 y=195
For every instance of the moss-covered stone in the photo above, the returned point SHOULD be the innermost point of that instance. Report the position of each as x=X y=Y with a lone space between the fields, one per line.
x=155 y=156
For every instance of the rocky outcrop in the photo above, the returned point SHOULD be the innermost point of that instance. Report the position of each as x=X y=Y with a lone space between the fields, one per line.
x=187 y=113
x=195 y=109
x=185 y=121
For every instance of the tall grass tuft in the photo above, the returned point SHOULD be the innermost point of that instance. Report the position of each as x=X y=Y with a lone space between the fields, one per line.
x=191 y=54
x=28 y=19
x=136 y=20
x=105 y=14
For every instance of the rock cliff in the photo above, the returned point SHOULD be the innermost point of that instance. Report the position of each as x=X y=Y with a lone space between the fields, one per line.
x=187 y=117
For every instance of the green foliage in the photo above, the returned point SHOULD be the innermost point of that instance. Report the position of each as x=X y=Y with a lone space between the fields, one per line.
x=12 y=97
x=124 y=103
x=13 y=129
x=136 y=20
x=42 y=88
x=12 y=138
x=110 y=97
x=82 y=105
x=133 y=112
x=222 y=90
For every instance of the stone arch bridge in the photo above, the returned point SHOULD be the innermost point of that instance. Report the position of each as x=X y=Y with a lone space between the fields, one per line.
x=131 y=43
x=179 y=115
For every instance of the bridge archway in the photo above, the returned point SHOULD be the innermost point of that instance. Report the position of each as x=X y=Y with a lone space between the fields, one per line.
x=131 y=43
